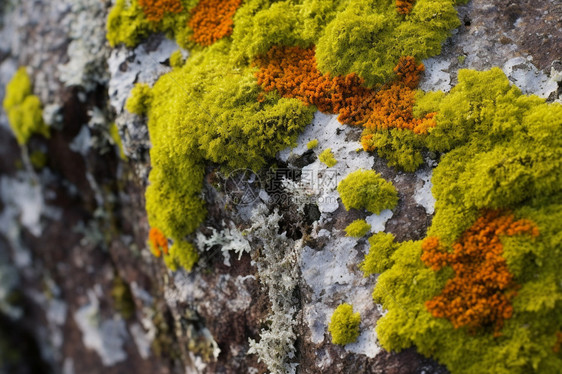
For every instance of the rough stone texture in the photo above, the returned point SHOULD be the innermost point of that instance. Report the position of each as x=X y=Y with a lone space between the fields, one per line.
x=68 y=231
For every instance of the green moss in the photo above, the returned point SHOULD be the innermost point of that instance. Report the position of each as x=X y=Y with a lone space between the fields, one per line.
x=139 y=100
x=401 y=148
x=182 y=253
x=114 y=133
x=38 y=159
x=327 y=157
x=24 y=110
x=206 y=111
x=504 y=152
x=344 y=325
x=176 y=59
x=378 y=259
x=376 y=33
x=378 y=36
x=357 y=228
x=367 y=189
x=127 y=24
x=312 y=144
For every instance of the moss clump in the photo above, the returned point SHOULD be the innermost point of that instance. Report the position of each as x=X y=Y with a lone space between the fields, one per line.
x=379 y=259
x=357 y=228
x=139 y=100
x=224 y=123
x=38 y=159
x=312 y=144
x=373 y=29
x=378 y=36
x=401 y=148
x=327 y=157
x=182 y=253
x=116 y=138
x=24 y=110
x=176 y=59
x=128 y=23
x=344 y=325
x=367 y=189
x=504 y=152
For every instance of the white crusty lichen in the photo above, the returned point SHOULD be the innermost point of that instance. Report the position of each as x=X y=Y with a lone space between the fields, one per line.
x=228 y=239
x=106 y=337
x=88 y=50
x=278 y=270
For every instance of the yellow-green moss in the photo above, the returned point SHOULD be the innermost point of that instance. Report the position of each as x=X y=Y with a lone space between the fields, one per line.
x=24 y=109
x=344 y=325
x=114 y=133
x=376 y=33
x=504 y=151
x=183 y=254
x=224 y=123
x=377 y=36
x=312 y=144
x=38 y=159
x=176 y=59
x=327 y=157
x=378 y=259
x=127 y=24
x=367 y=189
x=357 y=228
x=139 y=100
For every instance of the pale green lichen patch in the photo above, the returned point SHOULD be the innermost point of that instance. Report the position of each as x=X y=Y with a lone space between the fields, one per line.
x=344 y=325
x=24 y=109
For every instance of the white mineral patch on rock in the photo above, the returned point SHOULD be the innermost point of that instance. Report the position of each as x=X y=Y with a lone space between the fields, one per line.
x=128 y=67
x=436 y=77
x=423 y=195
x=22 y=196
x=529 y=79
x=378 y=221
x=318 y=179
x=141 y=339
x=82 y=142
x=106 y=337
x=342 y=283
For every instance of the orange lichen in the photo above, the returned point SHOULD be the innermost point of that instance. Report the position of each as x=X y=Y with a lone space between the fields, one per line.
x=480 y=294
x=158 y=241
x=404 y=6
x=154 y=10
x=292 y=71
x=211 y=20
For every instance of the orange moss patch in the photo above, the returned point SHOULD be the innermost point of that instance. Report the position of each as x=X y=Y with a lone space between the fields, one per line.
x=154 y=10
x=158 y=241
x=404 y=6
x=211 y=20
x=293 y=72
x=480 y=294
